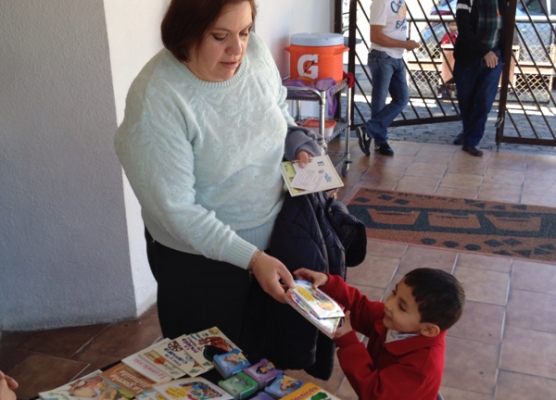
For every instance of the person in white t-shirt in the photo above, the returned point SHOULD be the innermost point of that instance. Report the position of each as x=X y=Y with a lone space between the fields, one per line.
x=388 y=42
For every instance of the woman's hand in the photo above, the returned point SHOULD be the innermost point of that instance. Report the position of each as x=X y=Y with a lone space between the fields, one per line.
x=316 y=278
x=269 y=271
x=303 y=158
x=345 y=328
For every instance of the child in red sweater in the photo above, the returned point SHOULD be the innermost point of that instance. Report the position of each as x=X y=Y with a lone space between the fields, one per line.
x=404 y=358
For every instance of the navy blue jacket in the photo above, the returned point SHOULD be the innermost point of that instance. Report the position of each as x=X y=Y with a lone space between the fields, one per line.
x=315 y=232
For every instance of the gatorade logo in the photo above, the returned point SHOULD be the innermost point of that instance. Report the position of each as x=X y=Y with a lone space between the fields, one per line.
x=307 y=65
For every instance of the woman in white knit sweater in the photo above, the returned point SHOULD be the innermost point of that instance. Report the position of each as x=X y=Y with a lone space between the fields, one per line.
x=205 y=129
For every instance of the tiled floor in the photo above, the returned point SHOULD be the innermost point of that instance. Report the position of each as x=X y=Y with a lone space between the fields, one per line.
x=504 y=347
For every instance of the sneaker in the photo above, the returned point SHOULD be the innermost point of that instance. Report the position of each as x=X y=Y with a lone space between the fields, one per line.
x=472 y=150
x=364 y=140
x=458 y=141
x=384 y=149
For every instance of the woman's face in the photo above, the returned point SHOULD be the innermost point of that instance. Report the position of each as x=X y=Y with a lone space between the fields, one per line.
x=221 y=51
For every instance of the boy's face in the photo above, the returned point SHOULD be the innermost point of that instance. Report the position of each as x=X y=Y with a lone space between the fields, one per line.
x=401 y=310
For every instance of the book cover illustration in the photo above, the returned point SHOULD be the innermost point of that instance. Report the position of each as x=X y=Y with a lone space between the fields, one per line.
x=192 y=389
x=126 y=380
x=282 y=386
x=327 y=326
x=318 y=301
x=263 y=372
x=204 y=345
x=319 y=169
x=89 y=387
x=310 y=391
x=178 y=356
x=146 y=369
x=240 y=385
x=162 y=363
x=230 y=363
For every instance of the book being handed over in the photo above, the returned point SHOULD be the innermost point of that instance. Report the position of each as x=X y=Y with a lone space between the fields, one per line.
x=316 y=306
x=317 y=176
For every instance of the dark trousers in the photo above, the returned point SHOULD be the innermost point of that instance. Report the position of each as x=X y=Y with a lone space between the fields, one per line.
x=196 y=293
x=476 y=86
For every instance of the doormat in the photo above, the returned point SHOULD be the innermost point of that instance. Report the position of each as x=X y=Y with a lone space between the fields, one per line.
x=514 y=230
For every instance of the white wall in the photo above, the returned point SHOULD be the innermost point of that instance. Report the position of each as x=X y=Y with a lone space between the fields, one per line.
x=71 y=237
x=63 y=245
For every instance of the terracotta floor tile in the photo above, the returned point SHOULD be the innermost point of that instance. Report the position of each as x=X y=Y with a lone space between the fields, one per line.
x=499 y=195
x=507 y=164
x=470 y=365
x=373 y=293
x=483 y=285
x=480 y=322
x=453 y=192
x=62 y=343
x=529 y=352
x=461 y=181
x=457 y=394
x=398 y=161
x=407 y=148
x=503 y=176
x=40 y=372
x=374 y=271
x=499 y=187
x=533 y=199
x=10 y=357
x=346 y=391
x=124 y=338
x=434 y=157
x=514 y=386
x=425 y=170
x=534 y=277
x=492 y=263
x=417 y=184
x=467 y=168
x=385 y=249
x=418 y=257
x=530 y=310
x=544 y=187
x=535 y=158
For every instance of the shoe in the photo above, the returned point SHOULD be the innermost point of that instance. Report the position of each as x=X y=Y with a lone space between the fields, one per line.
x=384 y=149
x=458 y=141
x=364 y=140
x=472 y=150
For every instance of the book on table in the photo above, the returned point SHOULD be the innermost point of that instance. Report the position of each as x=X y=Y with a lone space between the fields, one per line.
x=126 y=380
x=192 y=388
x=310 y=391
x=88 y=387
x=317 y=176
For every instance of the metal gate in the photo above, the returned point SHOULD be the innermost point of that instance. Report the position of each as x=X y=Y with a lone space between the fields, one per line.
x=525 y=102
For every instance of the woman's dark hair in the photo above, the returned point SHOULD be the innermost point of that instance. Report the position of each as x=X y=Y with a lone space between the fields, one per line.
x=438 y=294
x=187 y=22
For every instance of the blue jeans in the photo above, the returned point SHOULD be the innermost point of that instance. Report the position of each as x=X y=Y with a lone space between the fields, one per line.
x=388 y=75
x=476 y=86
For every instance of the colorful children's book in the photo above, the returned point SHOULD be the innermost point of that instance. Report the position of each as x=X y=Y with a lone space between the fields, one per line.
x=318 y=301
x=151 y=355
x=230 y=363
x=126 y=380
x=192 y=389
x=310 y=391
x=240 y=385
x=262 y=396
x=327 y=326
x=178 y=356
x=317 y=176
x=146 y=369
x=264 y=372
x=282 y=386
x=204 y=345
x=89 y=387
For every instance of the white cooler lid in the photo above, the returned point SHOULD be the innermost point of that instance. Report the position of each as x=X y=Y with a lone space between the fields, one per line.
x=316 y=39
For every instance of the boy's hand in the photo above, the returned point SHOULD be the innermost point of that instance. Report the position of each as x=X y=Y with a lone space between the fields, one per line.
x=345 y=328
x=316 y=278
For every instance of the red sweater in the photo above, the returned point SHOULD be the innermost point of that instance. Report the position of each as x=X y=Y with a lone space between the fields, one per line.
x=404 y=369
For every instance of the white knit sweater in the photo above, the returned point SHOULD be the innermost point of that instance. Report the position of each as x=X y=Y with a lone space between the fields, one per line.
x=203 y=157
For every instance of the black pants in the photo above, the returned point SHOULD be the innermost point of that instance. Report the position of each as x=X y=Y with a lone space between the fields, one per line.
x=196 y=293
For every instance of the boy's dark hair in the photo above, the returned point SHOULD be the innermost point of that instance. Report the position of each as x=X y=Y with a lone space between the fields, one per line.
x=187 y=22
x=438 y=294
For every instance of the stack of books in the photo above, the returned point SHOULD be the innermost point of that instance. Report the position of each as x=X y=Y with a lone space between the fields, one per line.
x=171 y=369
